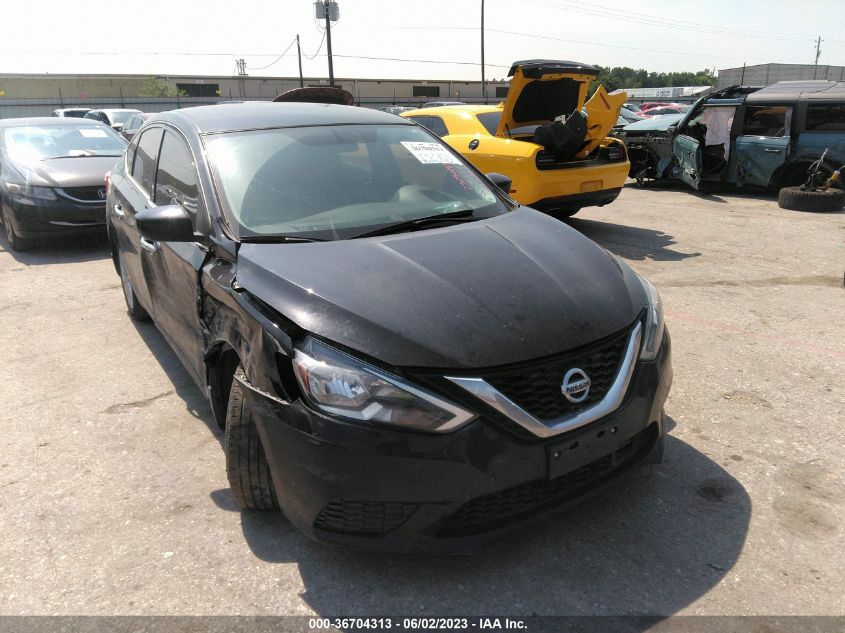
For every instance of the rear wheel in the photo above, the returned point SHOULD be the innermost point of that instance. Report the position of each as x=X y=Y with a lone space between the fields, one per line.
x=135 y=309
x=246 y=464
x=16 y=242
x=820 y=200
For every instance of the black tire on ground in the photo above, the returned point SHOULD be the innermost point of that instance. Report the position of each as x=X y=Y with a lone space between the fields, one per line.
x=246 y=464
x=16 y=242
x=133 y=307
x=822 y=200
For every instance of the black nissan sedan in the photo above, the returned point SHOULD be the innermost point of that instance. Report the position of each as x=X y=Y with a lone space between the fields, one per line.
x=52 y=176
x=402 y=357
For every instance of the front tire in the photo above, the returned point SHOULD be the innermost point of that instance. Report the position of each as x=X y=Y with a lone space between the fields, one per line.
x=246 y=464
x=16 y=242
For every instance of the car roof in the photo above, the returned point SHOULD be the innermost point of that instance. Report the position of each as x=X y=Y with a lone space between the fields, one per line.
x=232 y=117
x=46 y=120
x=133 y=110
x=813 y=90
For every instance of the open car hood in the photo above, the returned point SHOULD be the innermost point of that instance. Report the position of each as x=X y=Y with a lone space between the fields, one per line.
x=541 y=90
x=655 y=124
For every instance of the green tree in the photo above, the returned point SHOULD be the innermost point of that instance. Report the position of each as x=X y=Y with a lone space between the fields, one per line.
x=153 y=87
x=623 y=77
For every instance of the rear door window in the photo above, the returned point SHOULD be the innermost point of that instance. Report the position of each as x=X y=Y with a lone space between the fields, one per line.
x=490 y=121
x=767 y=120
x=144 y=165
x=433 y=123
x=826 y=117
x=176 y=180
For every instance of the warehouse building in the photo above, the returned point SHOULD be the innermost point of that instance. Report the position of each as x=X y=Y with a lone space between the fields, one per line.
x=768 y=74
x=39 y=94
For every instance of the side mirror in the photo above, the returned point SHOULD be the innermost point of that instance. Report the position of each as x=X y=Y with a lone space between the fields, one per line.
x=672 y=129
x=170 y=223
x=501 y=181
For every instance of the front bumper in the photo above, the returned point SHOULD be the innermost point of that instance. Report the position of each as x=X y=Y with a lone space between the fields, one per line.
x=403 y=491
x=41 y=218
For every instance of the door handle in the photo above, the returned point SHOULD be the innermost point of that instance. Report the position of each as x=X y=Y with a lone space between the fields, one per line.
x=147 y=245
x=118 y=210
x=771 y=150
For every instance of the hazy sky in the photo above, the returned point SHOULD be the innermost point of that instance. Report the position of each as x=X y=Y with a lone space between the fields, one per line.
x=181 y=37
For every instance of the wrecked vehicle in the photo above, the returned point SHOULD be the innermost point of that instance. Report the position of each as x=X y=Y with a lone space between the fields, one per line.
x=553 y=146
x=768 y=137
x=402 y=358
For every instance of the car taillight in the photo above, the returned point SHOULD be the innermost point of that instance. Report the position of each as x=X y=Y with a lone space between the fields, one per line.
x=613 y=153
x=108 y=181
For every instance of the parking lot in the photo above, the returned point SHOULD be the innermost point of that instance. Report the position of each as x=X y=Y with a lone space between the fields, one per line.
x=114 y=499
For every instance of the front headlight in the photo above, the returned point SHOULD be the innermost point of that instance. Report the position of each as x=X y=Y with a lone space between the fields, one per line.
x=347 y=387
x=28 y=191
x=653 y=334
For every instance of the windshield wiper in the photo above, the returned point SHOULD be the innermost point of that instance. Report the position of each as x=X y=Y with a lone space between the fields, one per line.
x=278 y=239
x=462 y=215
x=84 y=156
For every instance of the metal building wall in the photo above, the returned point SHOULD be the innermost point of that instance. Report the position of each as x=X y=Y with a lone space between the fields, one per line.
x=767 y=74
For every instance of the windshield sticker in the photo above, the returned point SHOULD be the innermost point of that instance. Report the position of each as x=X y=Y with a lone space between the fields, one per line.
x=431 y=153
x=93 y=133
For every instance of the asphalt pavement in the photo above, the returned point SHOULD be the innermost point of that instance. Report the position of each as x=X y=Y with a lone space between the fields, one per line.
x=114 y=499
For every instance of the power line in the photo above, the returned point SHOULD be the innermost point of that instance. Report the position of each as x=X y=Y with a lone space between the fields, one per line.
x=275 y=60
x=606 y=45
x=310 y=57
x=276 y=55
x=671 y=23
x=421 y=61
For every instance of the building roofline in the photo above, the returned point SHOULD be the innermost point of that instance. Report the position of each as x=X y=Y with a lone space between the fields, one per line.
x=229 y=77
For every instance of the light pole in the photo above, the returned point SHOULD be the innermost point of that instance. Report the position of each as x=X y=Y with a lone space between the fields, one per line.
x=328 y=10
x=483 y=82
x=299 y=56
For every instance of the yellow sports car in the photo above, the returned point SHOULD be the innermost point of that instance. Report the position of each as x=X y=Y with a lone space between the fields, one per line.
x=552 y=145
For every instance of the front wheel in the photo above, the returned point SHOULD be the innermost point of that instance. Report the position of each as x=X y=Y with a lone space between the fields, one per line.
x=246 y=464
x=16 y=242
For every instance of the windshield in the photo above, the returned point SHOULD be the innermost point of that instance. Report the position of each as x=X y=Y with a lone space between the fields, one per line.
x=119 y=116
x=490 y=121
x=40 y=142
x=336 y=182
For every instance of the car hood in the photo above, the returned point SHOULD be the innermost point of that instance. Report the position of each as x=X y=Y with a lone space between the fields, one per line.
x=483 y=294
x=655 y=124
x=66 y=172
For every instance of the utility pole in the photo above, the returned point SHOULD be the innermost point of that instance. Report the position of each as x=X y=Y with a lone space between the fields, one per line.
x=241 y=63
x=483 y=82
x=328 y=10
x=818 y=52
x=299 y=55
